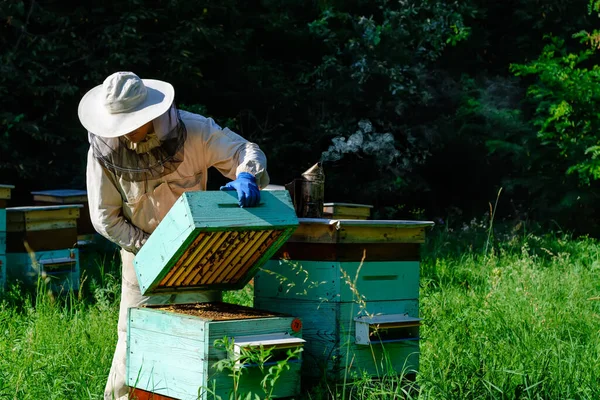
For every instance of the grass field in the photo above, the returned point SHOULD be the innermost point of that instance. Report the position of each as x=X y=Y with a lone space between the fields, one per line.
x=518 y=319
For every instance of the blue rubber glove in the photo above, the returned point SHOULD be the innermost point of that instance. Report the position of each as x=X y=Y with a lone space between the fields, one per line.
x=247 y=189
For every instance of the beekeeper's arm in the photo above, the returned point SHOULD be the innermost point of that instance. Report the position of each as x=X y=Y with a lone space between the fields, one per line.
x=105 y=204
x=231 y=154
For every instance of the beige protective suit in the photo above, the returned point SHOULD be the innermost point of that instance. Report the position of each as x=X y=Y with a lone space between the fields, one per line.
x=128 y=212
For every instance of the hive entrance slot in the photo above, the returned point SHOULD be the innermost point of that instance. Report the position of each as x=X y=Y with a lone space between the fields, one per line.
x=274 y=347
x=386 y=328
x=58 y=265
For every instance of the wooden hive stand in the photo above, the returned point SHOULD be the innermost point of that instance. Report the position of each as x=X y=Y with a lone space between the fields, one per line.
x=355 y=285
x=41 y=243
x=205 y=242
x=5 y=194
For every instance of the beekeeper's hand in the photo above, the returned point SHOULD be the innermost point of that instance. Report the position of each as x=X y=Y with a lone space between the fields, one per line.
x=247 y=189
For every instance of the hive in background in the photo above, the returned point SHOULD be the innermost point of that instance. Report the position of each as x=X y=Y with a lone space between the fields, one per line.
x=41 y=243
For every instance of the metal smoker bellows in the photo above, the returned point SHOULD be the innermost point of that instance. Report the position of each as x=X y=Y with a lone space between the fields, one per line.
x=307 y=192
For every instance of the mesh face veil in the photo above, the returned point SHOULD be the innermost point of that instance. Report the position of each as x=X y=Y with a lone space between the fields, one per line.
x=116 y=154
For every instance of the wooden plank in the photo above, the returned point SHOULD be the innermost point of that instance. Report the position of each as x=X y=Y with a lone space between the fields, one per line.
x=365 y=234
x=60 y=196
x=164 y=247
x=2 y=219
x=139 y=394
x=249 y=327
x=349 y=251
x=314 y=230
x=41 y=240
x=168 y=323
x=2 y=243
x=383 y=280
x=220 y=210
x=40 y=225
x=169 y=365
x=302 y=280
x=324 y=281
x=43 y=213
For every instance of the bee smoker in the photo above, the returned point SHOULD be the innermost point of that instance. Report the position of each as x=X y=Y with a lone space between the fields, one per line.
x=307 y=192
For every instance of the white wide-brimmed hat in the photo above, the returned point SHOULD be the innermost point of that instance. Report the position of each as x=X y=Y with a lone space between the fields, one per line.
x=123 y=103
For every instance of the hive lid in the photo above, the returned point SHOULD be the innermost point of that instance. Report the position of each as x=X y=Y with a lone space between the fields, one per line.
x=323 y=230
x=206 y=241
x=60 y=195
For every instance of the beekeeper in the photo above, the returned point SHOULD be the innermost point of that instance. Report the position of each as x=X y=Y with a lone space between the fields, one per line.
x=144 y=153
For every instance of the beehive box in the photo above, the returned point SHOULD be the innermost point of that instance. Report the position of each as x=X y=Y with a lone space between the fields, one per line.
x=59 y=269
x=5 y=194
x=171 y=350
x=206 y=241
x=85 y=229
x=355 y=285
x=41 y=242
x=346 y=211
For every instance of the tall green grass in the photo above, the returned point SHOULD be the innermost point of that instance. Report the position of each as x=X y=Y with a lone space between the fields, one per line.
x=520 y=320
x=520 y=323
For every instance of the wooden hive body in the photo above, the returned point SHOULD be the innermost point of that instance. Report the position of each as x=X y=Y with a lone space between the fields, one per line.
x=173 y=354
x=85 y=229
x=206 y=241
x=41 y=241
x=344 y=278
x=5 y=194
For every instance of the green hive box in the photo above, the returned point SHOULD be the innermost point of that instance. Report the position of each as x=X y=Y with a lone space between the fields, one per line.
x=59 y=269
x=205 y=242
x=171 y=350
x=41 y=243
x=355 y=285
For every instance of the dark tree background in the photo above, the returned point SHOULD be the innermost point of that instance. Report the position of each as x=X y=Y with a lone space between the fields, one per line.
x=422 y=108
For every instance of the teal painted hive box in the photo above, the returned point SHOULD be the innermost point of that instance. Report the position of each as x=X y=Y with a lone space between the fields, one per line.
x=59 y=269
x=171 y=350
x=206 y=241
x=355 y=285
x=5 y=195
x=41 y=243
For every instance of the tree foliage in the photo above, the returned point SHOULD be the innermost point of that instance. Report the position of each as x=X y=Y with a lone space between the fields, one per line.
x=412 y=105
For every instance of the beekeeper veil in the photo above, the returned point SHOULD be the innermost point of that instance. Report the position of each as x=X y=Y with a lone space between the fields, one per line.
x=123 y=103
